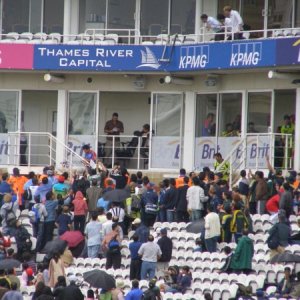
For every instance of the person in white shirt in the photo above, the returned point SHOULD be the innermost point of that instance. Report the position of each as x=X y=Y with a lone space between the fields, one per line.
x=211 y=23
x=236 y=21
x=106 y=226
x=226 y=26
x=195 y=198
x=212 y=230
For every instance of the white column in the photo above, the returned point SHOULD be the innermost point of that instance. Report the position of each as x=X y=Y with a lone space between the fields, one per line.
x=62 y=121
x=137 y=19
x=189 y=131
x=74 y=28
x=67 y=20
x=199 y=11
x=297 y=132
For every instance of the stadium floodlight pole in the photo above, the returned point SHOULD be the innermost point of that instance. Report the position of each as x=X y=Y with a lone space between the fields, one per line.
x=53 y=78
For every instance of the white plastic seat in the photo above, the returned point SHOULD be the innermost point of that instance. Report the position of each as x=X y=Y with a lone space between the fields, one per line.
x=111 y=39
x=278 y=33
x=161 y=39
x=10 y=37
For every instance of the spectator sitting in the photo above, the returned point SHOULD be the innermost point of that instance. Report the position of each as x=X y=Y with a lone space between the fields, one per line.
x=198 y=247
x=184 y=281
x=135 y=293
x=285 y=285
x=226 y=267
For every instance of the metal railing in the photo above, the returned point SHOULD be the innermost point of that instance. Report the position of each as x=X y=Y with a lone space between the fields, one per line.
x=129 y=150
x=251 y=152
x=133 y=36
x=40 y=149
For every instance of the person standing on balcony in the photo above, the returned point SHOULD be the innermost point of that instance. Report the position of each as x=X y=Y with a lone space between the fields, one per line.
x=112 y=127
x=89 y=155
x=236 y=21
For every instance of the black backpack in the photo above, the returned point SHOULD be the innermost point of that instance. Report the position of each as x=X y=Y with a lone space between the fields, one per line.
x=135 y=203
x=27 y=194
x=149 y=295
x=10 y=216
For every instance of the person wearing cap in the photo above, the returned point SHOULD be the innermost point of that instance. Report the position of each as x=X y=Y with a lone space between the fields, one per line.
x=118 y=292
x=7 y=229
x=135 y=293
x=166 y=247
x=60 y=188
x=141 y=230
x=150 y=253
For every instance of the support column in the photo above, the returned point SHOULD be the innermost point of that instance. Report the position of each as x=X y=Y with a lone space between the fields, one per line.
x=199 y=11
x=189 y=131
x=62 y=121
x=297 y=132
x=67 y=20
x=74 y=29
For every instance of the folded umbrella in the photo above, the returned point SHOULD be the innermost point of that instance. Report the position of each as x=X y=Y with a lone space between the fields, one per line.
x=117 y=195
x=56 y=245
x=9 y=263
x=99 y=279
x=73 y=238
x=285 y=257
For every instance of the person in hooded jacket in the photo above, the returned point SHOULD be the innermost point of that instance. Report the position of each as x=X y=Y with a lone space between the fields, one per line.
x=80 y=211
x=242 y=257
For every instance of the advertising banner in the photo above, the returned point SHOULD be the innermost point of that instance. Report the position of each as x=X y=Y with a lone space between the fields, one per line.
x=165 y=152
x=255 y=154
x=196 y=57
x=288 y=51
x=16 y=56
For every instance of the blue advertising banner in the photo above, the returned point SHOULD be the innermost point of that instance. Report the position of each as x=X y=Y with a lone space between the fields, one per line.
x=130 y=58
x=288 y=51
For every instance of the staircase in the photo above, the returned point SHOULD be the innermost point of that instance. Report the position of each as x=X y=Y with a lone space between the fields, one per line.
x=41 y=149
x=252 y=150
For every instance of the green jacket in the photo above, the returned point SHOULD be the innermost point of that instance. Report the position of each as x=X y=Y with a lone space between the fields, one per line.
x=243 y=254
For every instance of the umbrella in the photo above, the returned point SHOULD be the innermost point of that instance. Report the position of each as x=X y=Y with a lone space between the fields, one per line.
x=9 y=263
x=56 y=245
x=73 y=238
x=195 y=227
x=99 y=279
x=117 y=195
x=285 y=257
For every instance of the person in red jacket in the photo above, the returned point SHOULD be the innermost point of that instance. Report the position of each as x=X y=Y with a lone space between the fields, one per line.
x=80 y=211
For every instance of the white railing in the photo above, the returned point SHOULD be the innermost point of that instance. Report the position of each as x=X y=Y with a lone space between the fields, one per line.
x=100 y=36
x=251 y=152
x=40 y=149
x=131 y=151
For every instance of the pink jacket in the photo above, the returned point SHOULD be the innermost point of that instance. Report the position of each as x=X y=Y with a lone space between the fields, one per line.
x=80 y=205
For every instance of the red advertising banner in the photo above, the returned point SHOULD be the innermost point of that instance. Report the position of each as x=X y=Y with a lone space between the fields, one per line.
x=17 y=57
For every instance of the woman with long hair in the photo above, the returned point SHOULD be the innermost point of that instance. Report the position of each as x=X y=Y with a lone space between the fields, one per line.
x=56 y=269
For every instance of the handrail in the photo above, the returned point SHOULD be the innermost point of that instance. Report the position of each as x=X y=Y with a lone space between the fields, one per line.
x=134 y=34
x=236 y=162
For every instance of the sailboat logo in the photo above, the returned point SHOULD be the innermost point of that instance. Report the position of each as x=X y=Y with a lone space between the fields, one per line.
x=149 y=59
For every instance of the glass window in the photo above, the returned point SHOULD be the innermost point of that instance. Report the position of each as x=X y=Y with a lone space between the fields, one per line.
x=297 y=13
x=121 y=14
x=166 y=125
x=92 y=14
x=35 y=14
x=183 y=16
x=15 y=16
x=82 y=113
x=154 y=17
x=206 y=115
x=259 y=108
x=235 y=4
x=252 y=14
x=53 y=16
x=230 y=114
x=8 y=111
x=280 y=14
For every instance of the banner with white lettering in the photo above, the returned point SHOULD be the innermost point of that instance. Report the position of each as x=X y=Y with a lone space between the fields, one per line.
x=194 y=57
x=256 y=151
x=165 y=152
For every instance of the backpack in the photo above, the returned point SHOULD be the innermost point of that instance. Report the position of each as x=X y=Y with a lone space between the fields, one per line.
x=149 y=295
x=34 y=214
x=114 y=246
x=27 y=194
x=135 y=203
x=10 y=217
